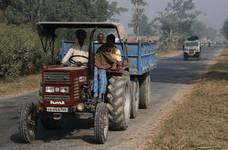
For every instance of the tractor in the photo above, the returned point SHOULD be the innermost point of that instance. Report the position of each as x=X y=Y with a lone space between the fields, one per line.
x=65 y=91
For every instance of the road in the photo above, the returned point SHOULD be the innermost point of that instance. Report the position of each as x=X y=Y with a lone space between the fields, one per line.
x=170 y=76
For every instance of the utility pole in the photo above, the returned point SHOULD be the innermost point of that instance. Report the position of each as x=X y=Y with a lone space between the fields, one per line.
x=137 y=20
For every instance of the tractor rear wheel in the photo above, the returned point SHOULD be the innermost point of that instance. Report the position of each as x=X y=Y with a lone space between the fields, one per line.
x=119 y=102
x=28 y=122
x=135 y=97
x=101 y=123
x=145 y=88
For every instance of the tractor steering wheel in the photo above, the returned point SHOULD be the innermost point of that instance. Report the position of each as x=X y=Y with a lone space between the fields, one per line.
x=72 y=61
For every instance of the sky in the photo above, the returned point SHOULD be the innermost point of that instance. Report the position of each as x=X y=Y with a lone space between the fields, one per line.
x=216 y=11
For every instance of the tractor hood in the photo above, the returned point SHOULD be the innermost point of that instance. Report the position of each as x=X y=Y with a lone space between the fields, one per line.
x=53 y=75
x=64 y=69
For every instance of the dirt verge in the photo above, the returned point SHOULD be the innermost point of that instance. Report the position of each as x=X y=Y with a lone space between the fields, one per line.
x=20 y=86
x=168 y=53
x=199 y=119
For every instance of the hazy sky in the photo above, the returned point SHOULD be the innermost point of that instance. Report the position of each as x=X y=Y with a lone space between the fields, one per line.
x=216 y=10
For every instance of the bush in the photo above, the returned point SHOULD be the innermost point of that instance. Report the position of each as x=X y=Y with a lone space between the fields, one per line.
x=20 y=50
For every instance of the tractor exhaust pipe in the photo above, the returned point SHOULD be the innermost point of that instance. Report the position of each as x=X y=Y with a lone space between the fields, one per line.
x=57 y=116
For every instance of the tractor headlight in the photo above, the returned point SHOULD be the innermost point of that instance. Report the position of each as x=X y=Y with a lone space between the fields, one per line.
x=64 y=89
x=49 y=89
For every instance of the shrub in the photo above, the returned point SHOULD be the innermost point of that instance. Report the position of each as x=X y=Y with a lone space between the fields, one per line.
x=20 y=51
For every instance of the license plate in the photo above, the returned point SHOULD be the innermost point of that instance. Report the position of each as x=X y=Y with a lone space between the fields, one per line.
x=57 y=109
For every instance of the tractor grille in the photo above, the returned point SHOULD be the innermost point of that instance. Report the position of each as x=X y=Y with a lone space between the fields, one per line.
x=57 y=97
x=56 y=77
x=76 y=88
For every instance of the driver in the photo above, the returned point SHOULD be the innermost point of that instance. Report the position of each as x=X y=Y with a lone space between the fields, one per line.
x=78 y=49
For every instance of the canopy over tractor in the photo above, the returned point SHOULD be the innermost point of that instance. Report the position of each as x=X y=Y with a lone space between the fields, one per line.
x=49 y=27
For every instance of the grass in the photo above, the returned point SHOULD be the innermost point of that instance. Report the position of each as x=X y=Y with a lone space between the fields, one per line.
x=168 y=53
x=20 y=86
x=201 y=121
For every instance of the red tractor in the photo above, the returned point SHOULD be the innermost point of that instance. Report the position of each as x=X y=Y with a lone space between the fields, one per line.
x=66 y=91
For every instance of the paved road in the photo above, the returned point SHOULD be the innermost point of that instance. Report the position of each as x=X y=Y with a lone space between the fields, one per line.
x=171 y=75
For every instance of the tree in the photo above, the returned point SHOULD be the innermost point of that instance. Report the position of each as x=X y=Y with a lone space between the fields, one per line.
x=225 y=29
x=185 y=13
x=176 y=21
x=22 y=11
x=199 y=29
x=29 y=11
x=145 y=26
x=3 y=5
x=137 y=16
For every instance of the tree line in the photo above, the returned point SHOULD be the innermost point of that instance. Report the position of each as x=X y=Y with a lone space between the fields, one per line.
x=20 y=48
x=30 y=11
x=224 y=29
x=175 y=23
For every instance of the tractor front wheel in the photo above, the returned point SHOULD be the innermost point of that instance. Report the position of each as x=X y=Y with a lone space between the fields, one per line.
x=28 y=122
x=101 y=123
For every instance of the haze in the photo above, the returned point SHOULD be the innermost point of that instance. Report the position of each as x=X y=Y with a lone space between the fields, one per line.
x=215 y=10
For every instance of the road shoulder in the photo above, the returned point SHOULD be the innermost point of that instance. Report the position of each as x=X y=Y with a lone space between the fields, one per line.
x=19 y=87
x=195 y=117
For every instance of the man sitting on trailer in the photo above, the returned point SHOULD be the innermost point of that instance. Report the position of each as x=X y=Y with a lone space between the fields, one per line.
x=78 y=49
x=107 y=57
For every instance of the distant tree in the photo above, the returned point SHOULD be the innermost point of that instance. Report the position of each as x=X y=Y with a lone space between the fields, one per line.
x=225 y=29
x=212 y=33
x=176 y=21
x=199 y=29
x=145 y=26
x=137 y=16
x=184 y=11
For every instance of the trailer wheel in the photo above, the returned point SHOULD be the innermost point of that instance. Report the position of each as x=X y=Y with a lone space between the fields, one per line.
x=119 y=102
x=27 y=122
x=135 y=98
x=101 y=123
x=145 y=87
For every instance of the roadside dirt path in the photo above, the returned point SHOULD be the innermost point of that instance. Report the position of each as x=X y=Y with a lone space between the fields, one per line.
x=195 y=119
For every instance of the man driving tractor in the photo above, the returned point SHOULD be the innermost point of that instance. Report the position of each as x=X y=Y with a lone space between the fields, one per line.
x=107 y=57
x=78 y=49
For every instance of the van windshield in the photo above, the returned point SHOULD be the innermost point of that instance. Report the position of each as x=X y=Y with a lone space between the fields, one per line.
x=191 y=43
